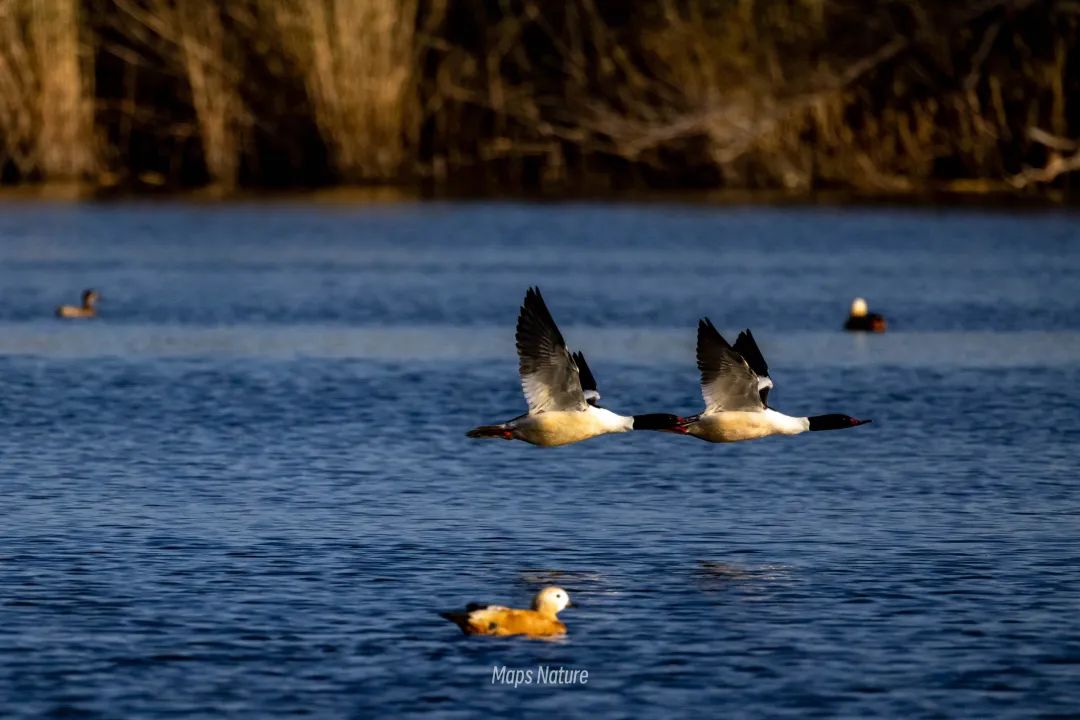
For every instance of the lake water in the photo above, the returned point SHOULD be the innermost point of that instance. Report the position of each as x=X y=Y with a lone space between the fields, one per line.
x=245 y=490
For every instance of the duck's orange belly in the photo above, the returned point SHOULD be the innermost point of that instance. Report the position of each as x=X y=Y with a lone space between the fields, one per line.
x=506 y=621
x=732 y=426
x=551 y=429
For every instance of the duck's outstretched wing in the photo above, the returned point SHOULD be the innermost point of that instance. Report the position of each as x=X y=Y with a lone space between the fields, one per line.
x=588 y=382
x=747 y=347
x=727 y=381
x=549 y=376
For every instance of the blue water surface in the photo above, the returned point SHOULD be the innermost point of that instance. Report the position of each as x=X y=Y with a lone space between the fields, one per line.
x=245 y=491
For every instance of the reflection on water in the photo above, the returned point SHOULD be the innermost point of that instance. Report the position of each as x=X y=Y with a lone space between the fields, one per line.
x=246 y=491
x=727 y=572
x=565 y=578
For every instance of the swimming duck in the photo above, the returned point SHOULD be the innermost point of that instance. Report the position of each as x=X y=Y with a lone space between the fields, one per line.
x=735 y=383
x=540 y=621
x=560 y=389
x=86 y=310
x=862 y=320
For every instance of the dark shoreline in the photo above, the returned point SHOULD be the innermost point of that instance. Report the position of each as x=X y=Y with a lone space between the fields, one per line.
x=1047 y=199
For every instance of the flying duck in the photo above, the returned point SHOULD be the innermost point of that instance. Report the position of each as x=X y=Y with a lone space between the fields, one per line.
x=541 y=621
x=860 y=319
x=86 y=310
x=560 y=389
x=735 y=383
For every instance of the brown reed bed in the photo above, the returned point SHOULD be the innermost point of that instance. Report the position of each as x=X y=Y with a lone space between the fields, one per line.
x=894 y=97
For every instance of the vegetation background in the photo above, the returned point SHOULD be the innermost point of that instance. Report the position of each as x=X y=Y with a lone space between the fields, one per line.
x=554 y=97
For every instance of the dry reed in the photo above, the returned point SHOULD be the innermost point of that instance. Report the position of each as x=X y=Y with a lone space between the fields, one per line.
x=46 y=107
x=357 y=60
x=889 y=96
x=195 y=43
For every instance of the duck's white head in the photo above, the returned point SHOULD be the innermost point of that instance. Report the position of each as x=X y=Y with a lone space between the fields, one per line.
x=551 y=600
x=859 y=308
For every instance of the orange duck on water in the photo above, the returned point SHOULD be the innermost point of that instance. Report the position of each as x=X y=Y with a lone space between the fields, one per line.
x=862 y=320
x=541 y=621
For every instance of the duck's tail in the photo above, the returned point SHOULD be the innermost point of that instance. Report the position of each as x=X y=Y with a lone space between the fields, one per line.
x=458 y=618
x=461 y=618
x=491 y=431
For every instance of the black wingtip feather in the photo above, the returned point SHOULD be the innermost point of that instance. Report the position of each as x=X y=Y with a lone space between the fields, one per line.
x=535 y=310
x=536 y=331
x=706 y=330
x=708 y=338
x=588 y=382
x=746 y=346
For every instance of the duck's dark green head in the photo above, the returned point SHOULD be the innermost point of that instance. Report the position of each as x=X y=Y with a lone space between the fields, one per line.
x=834 y=421
x=656 y=421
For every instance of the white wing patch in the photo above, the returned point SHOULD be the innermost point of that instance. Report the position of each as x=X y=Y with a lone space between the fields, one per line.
x=552 y=391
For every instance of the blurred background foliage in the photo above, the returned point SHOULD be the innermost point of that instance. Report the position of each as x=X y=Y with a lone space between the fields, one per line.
x=525 y=96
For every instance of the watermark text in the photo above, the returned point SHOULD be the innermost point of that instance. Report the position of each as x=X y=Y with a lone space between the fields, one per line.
x=539 y=675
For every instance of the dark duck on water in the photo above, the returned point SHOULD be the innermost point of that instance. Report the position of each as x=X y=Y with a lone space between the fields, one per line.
x=860 y=319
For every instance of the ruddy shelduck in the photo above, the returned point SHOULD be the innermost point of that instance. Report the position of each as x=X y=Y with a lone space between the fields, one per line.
x=541 y=621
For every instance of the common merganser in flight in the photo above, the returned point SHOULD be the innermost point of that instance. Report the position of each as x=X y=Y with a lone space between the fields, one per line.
x=541 y=621
x=560 y=389
x=860 y=319
x=735 y=383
